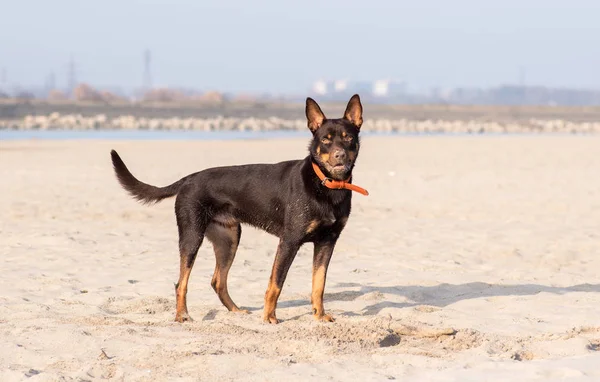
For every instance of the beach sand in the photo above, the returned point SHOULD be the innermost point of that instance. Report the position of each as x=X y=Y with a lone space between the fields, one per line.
x=473 y=259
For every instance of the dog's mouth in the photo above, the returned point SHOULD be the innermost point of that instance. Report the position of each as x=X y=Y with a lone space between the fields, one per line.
x=335 y=169
x=338 y=170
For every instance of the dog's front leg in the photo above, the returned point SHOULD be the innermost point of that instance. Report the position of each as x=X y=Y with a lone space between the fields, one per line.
x=321 y=258
x=286 y=252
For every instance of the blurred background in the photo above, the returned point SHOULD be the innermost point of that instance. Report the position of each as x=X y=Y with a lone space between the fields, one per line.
x=212 y=65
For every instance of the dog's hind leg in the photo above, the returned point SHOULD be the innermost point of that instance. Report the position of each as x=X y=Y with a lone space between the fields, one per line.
x=191 y=234
x=225 y=239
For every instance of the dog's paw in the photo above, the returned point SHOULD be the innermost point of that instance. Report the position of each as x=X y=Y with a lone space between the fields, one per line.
x=183 y=317
x=324 y=318
x=271 y=320
x=242 y=311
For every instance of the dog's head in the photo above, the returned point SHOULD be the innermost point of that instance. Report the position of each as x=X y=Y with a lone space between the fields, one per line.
x=335 y=142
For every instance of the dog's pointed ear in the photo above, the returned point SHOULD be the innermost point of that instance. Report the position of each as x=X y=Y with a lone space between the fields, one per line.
x=354 y=111
x=314 y=115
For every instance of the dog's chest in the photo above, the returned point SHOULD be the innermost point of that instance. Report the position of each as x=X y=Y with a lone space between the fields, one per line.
x=328 y=220
x=325 y=224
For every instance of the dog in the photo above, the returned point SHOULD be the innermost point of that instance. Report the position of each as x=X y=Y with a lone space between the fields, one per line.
x=298 y=201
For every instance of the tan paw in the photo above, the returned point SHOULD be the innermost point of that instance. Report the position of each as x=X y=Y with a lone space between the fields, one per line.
x=324 y=318
x=238 y=310
x=183 y=317
x=271 y=320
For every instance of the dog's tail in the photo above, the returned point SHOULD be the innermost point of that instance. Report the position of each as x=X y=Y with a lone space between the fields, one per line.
x=141 y=191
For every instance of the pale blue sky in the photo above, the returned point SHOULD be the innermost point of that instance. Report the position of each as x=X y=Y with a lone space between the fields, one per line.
x=283 y=46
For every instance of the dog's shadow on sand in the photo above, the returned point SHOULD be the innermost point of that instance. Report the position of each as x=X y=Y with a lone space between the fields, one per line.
x=437 y=295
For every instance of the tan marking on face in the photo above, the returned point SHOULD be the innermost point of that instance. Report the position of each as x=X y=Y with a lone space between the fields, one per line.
x=325 y=157
x=328 y=136
x=312 y=226
x=318 y=150
x=344 y=134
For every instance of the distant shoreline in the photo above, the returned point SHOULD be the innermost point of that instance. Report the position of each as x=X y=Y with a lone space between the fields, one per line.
x=76 y=122
x=16 y=109
x=174 y=135
x=263 y=117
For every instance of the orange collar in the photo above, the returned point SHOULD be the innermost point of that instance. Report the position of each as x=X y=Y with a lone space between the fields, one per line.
x=337 y=184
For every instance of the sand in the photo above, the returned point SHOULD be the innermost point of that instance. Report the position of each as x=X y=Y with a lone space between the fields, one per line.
x=474 y=258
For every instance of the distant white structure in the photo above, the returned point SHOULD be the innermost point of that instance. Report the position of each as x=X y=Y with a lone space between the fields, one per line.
x=388 y=88
x=320 y=87
x=340 y=86
x=380 y=88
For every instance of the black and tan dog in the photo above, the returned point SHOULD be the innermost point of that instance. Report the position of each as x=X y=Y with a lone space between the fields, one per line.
x=298 y=201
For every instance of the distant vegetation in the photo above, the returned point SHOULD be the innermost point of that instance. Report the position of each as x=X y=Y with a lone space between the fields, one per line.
x=86 y=93
x=86 y=107
x=508 y=95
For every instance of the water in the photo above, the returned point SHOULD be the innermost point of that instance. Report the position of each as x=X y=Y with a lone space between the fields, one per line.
x=145 y=135
x=202 y=135
x=158 y=134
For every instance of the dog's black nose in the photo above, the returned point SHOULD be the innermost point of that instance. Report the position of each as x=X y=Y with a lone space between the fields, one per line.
x=339 y=155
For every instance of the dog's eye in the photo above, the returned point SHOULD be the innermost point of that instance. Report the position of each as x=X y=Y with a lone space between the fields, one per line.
x=325 y=141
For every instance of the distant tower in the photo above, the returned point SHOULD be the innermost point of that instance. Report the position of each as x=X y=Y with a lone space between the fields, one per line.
x=51 y=82
x=522 y=75
x=71 y=76
x=147 y=80
x=3 y=77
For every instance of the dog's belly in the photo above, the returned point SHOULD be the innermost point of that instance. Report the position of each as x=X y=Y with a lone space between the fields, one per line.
x=230 y=220
x=226 y=220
